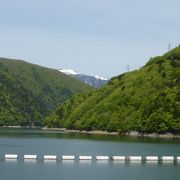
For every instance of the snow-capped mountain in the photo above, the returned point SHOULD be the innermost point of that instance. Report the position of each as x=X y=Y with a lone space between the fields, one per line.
x=95 y=81
x=101 y=78
x=68 y=71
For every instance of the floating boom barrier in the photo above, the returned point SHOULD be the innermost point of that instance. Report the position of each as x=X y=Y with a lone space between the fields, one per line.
x=97 y=158
x=135 y=158
x=118 y=158
x=102 y=158
x=50 y=157
x=167 y=158
x=151 y=158
x=68 y=157
x=33 y=157
x=11 y=156
x=85 y=157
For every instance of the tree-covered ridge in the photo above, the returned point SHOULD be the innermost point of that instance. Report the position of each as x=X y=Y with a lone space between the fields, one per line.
x=145 y=100
x=30 y=92
x=17 y=105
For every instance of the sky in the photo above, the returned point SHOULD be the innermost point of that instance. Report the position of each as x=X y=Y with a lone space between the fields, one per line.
x=95 y=37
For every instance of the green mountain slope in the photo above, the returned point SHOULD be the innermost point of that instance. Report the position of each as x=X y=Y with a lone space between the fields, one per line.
x=30 y=92
x=145 y=100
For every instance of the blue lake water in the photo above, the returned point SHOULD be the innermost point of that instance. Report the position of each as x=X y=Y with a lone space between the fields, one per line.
x=27 y=141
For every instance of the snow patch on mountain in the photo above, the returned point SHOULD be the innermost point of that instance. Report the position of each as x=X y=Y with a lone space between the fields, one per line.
x=72 y=72
x=101 y=78
x=68 y=71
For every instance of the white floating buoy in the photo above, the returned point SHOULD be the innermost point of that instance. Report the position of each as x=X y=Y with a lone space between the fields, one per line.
x=68 y=157
x=151 y=158
x=178 y=158
x=11 y=156
x=50 y=157
x=102 y=157
x=135 y=158
x=28 y=156
x=85 y=157
x=118 y=158
x=167 y=158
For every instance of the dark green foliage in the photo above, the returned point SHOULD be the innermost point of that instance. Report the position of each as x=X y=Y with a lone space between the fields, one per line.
x=30 y=92
x=173 y=55
x=147 y=100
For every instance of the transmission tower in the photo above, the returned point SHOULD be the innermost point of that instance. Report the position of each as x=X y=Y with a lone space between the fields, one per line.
x=169 y=46
x=128 y=68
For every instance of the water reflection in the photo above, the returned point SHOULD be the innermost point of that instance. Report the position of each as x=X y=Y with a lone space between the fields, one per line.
x=118 y=162
x=50 y=161
x=11 y=160
x=85 y=162
x=152 y=162
x=102 y=162
x=68 y=162
x=30 y=161
x=167 y=162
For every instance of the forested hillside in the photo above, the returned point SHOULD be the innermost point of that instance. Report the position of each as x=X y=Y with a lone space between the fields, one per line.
x=146 y=100
x=30 y=92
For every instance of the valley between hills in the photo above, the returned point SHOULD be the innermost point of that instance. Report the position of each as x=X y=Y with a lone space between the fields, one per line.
x=144 y=101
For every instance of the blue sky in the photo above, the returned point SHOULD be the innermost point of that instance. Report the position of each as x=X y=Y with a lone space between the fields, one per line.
x=91 y=36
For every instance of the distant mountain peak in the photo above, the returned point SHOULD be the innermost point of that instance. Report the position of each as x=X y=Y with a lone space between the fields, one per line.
x=101 y=78
x=95 y=81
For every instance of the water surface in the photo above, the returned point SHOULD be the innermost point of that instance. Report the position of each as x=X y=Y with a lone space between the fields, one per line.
x=28 y=141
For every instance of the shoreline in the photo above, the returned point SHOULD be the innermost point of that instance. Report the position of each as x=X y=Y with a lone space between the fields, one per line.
x=99 y=132
x=132 y=134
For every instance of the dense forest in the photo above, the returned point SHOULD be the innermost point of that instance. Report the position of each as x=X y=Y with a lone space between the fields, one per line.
x=28 y=92
x=145 y=100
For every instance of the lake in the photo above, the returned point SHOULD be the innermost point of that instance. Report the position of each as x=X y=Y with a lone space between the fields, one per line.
x=41 y=142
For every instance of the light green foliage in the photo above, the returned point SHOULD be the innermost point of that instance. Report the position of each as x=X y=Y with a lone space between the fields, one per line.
x=145 y=100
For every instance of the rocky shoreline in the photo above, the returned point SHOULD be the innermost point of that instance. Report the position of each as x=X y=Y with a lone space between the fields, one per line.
x=132 y=133
x=99 y=132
